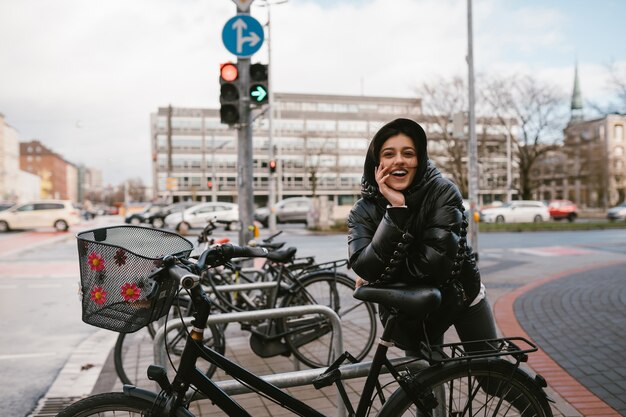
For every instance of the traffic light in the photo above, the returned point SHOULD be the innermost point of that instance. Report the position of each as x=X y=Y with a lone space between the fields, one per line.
x=229 y=93
x=258 y=84
x=209 y=183
x=272 y=166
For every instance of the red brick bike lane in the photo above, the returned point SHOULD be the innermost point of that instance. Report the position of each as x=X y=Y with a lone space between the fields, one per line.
x=568 y=387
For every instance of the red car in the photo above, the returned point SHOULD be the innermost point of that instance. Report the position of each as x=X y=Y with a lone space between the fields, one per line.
x=563 y=209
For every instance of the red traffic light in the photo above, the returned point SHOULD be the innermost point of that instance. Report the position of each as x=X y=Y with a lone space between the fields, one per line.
x=209 y=184
x=272 y=166
x=229 y=72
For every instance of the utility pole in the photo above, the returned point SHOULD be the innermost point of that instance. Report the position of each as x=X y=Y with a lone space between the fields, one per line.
x=245 y=176
x=271 y=195
x=472 y=146
x=243 y=36
x=168 y=181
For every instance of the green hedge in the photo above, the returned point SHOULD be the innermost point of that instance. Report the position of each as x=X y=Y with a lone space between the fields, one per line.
x=550 y=226
x=530 y=227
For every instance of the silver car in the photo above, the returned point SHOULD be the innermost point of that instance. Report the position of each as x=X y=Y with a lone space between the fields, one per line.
x=617 y=213
x=289 y=210
x=199 y=215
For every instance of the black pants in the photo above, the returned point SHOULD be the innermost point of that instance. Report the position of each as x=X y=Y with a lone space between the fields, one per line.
x=476 y=323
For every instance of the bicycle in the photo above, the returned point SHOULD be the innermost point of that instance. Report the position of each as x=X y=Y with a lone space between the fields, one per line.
x=297 y=281
x=454 y=383
x=308 y=337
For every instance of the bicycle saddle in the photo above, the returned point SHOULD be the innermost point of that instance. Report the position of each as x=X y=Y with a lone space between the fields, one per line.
x=411 y=299
x=283 y=255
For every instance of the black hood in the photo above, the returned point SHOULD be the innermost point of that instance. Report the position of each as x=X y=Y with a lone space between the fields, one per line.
x=369 y=187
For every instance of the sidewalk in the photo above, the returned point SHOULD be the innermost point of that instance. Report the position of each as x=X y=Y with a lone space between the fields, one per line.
x=509 y=277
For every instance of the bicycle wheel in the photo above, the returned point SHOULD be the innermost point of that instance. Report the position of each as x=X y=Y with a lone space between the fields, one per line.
x=309 y=337
x=107 y=405
x=480 y=388
x=138 y=347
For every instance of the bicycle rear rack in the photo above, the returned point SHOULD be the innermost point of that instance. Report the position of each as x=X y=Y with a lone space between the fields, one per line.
x=517 y=347
x=330 y=265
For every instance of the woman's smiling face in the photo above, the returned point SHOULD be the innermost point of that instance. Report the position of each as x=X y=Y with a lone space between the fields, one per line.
x=399 y=154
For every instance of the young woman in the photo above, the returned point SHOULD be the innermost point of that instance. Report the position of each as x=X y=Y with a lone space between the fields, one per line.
x=409 y=226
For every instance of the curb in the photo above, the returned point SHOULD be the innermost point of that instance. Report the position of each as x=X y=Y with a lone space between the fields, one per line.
x=577 y=399
x=79 y=374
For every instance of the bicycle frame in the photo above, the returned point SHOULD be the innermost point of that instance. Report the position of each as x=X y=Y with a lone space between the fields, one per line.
x=188 y=374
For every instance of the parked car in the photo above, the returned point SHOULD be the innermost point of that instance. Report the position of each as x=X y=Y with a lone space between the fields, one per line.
x=617 y=212
x=60 y=214
x=142 y=217
x=200 y=214
x=289 y=210
x=157 y=219
x=563 y=209
x=519 y=211
x=6 y=205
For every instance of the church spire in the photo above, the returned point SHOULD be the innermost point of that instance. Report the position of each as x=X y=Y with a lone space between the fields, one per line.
x=577 y=101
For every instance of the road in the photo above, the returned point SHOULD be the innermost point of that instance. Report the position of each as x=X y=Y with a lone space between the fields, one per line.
x=40 y=312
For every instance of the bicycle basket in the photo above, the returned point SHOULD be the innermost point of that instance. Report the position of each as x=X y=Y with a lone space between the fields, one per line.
x=122 y=284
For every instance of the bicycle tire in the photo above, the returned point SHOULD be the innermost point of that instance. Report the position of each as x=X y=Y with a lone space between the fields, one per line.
x=312 y=345
x=522 y=396
x=214 y=338
x=105 y=405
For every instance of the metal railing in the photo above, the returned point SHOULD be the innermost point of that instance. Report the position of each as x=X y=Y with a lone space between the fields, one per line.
x=284 y=379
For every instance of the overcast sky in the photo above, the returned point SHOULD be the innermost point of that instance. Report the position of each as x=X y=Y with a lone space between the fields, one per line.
x=83 y=76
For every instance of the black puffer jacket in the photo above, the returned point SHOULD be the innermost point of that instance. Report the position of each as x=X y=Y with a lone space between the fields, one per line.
x=423 y=249
x=419 y=242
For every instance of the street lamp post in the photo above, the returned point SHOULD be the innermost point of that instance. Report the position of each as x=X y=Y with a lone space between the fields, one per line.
x=270 y=118
x=473 y=149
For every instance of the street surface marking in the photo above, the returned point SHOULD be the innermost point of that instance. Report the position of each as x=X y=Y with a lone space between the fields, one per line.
x=30 y=286
x=38 y=286
x=26 y=355
x=41 y=269
x=553 y=251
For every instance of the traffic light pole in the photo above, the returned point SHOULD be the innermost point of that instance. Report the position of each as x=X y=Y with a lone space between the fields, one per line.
x=245 y=177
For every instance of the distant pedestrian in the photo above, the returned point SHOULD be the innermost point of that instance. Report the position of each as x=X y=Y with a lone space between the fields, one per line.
x=409 y=226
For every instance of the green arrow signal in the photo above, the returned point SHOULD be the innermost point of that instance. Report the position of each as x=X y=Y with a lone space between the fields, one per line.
x=258 y=93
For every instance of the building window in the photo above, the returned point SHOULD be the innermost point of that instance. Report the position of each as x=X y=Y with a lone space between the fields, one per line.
x=618 y=133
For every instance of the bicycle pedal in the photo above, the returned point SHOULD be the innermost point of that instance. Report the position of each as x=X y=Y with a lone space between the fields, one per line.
x=327 y=378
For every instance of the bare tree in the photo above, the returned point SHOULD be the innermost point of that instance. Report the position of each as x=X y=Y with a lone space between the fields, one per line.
x=617 y=83
x=540 y=112
x=441 y=100
x=136 y=189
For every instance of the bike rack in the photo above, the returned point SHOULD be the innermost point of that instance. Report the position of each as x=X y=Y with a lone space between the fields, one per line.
x=285 y=380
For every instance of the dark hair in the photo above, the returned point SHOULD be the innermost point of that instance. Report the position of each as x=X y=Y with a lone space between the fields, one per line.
x=395 y=127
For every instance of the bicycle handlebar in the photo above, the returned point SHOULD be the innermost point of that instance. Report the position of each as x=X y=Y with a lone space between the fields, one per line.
x=186 y=279
x=212 y=257
x=221 y=254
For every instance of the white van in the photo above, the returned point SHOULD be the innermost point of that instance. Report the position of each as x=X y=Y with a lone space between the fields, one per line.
x=60 y=214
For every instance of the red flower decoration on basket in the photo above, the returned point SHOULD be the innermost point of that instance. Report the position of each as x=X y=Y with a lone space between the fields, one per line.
x=120 y=257
x=99 y=295
x=130 y=292
x=96 y=262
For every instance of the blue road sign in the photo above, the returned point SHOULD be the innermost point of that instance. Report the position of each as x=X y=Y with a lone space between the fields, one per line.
x=243 y=35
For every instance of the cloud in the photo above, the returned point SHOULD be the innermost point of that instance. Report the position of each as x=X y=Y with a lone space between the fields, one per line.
x=110 y=64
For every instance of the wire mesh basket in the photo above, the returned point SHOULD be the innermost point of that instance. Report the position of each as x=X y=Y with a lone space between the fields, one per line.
x=122 y=283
